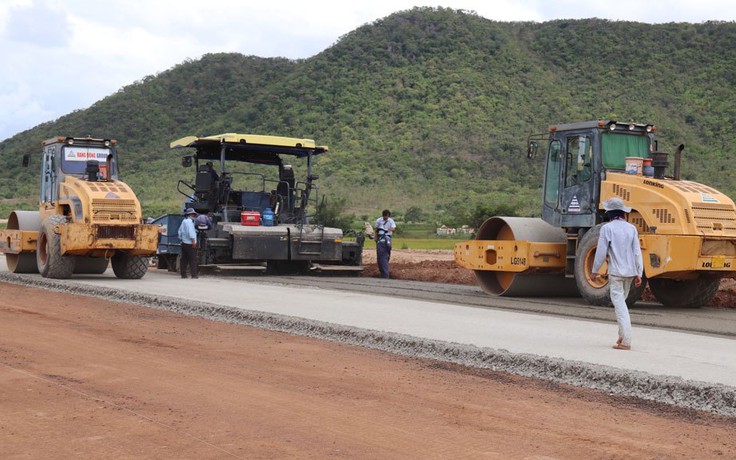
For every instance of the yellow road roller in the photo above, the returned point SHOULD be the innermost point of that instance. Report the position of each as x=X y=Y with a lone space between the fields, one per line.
x=687 y=230
x=87 y=218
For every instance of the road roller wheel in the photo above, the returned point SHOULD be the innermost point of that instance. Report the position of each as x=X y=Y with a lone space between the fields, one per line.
x=512 y=284
x=21 y=263
x=51 y=264
x=685 y=293
x=129 y=267
x=595 y=291
x=24 y=262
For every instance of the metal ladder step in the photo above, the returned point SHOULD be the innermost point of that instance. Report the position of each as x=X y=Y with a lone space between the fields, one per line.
x=310 y=247
x=572 y=245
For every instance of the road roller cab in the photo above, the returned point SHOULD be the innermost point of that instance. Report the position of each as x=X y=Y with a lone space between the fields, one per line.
x=687 y=230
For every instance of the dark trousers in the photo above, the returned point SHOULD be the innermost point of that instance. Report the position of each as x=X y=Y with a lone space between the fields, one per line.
x=188 y=257
x=383 y=255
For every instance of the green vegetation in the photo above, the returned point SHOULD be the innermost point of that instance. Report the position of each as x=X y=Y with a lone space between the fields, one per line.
x=427 y=243
x=421 y=243
x=425 y=112
x=420 y=236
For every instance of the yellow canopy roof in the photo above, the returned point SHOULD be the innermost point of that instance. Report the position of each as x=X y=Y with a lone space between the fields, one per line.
x=256 y=139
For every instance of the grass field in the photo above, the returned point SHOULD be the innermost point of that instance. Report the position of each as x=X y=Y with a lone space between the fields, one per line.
x=420 y=237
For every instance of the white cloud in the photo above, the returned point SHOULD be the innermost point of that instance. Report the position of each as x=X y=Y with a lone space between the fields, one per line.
x=652 y=12
x=22 y=104
x=63 y=55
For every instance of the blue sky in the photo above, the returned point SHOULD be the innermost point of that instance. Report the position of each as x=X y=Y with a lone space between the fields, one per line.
x=64 y=55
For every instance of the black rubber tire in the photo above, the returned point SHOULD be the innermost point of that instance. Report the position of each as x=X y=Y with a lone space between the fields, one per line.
x=685 y=293
x=173 y=263
x=596 y=291
x=167 y=262
x=129 y=267
x=50 y=262
x=91 y=265
x=161 y=263
x=635 y=292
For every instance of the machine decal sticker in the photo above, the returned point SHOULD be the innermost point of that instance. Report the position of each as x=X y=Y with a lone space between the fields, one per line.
x=653 y=184
x=705 y=198
x=85 y=153
x=717 y=262
x=574 y=205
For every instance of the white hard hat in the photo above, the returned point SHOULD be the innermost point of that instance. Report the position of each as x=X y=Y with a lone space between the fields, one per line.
x=615 y=204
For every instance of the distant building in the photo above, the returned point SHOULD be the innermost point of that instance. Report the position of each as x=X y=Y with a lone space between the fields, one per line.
x=445 y=230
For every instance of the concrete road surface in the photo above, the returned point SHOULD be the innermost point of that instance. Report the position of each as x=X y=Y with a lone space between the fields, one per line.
x=690 y=370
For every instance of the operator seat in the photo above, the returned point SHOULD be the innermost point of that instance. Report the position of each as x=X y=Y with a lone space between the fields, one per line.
x=205 y=190
x=285 y=194
x=285 y=188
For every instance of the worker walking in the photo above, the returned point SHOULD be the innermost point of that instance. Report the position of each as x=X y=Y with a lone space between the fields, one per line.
x=385 y=227
x=619 y=242
x=188 y=237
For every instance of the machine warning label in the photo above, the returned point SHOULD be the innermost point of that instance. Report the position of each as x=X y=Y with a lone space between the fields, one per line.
x=705 y=198
x=574 y=205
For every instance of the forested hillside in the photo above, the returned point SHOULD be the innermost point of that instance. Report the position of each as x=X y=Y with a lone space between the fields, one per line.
x=426 y=109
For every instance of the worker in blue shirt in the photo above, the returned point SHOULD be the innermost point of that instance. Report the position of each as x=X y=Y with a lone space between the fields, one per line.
x=385 y=227
x=188 y=237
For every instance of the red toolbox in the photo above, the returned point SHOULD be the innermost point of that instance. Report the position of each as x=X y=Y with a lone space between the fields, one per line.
x=250 y=218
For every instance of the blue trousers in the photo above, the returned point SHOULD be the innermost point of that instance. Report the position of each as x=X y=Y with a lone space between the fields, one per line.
x=383 y=255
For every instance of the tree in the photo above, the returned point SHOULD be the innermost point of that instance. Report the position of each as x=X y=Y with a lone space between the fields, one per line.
x=414 y=214
x=483 y=212
x=331 y=214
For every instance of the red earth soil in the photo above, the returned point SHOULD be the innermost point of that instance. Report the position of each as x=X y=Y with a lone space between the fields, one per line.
x=86 y=378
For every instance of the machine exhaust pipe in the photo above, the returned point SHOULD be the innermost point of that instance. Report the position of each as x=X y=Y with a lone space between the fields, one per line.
x=92 y=169
x=678 y=160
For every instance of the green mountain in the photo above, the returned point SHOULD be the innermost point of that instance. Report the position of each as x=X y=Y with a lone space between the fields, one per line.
x=425 y=111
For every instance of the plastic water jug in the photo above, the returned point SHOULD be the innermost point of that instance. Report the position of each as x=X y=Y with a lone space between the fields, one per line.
x=267 y=217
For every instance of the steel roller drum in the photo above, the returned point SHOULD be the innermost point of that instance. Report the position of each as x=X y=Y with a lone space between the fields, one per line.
x=23 y=220
x=512 y=284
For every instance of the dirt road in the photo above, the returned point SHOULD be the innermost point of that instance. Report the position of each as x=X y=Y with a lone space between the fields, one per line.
x=85 y=378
